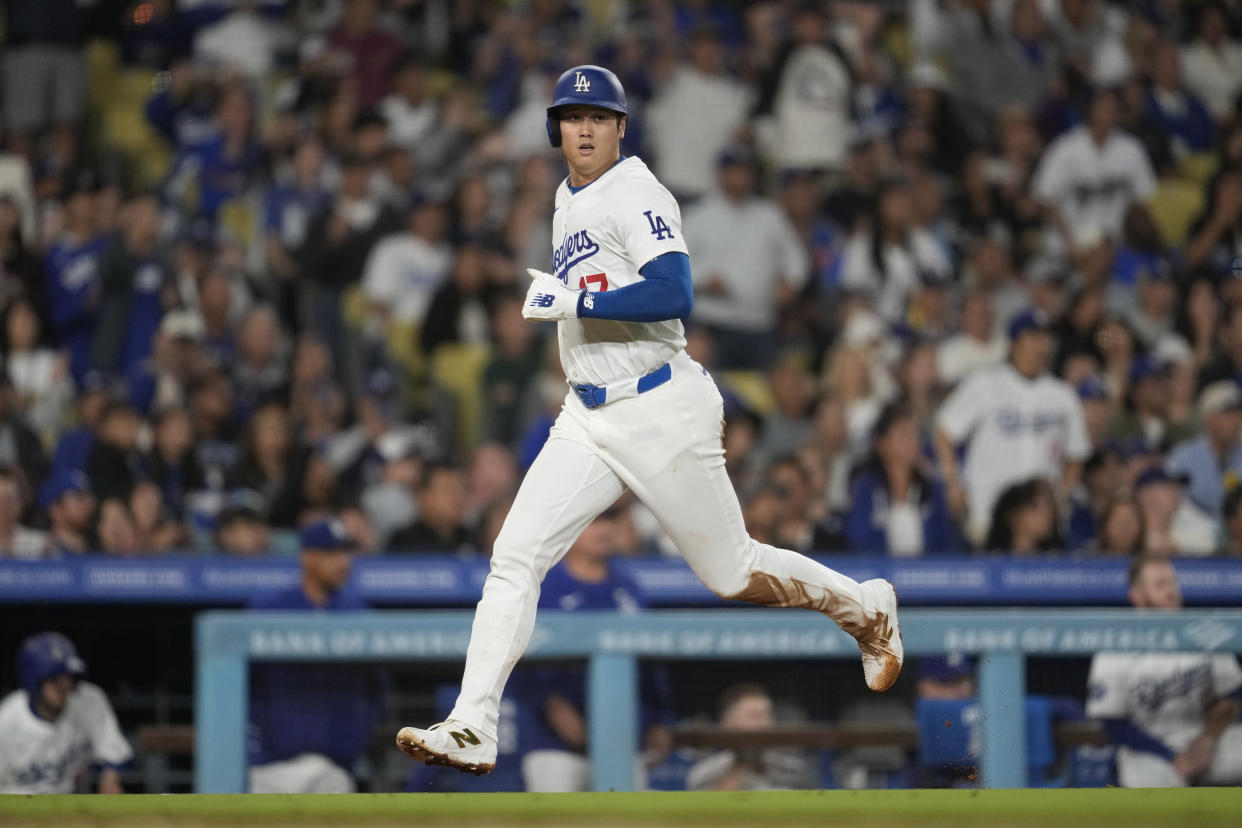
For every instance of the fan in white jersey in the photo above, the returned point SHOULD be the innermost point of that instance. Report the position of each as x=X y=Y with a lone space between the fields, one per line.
x=640 y=414
x=1174 y=716
x=1091 y=174
x=1017 y=422
x=57 y=726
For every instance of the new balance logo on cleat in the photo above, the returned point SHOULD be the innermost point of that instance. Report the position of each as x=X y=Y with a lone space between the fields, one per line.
x=452 y=744
x=461 y=737
x=543 y=300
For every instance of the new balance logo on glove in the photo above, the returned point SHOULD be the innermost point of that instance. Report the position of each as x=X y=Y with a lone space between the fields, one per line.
x=548 y=299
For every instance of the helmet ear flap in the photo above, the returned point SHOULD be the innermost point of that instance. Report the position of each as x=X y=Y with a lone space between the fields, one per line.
x=554 y=131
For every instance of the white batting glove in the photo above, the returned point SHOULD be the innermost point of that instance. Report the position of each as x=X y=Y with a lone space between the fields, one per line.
x=548 y=299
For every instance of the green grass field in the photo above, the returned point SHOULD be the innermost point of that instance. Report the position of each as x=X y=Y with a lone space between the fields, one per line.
x=1196 y=808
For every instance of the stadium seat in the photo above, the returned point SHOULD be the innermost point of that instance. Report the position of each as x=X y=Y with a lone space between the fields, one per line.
x=125 y=125
x=1197 y=167
x=403 y=338
x=103 y=61
x=239 y=217
x=1174 y=207
x=752 y=388
x=458 y=368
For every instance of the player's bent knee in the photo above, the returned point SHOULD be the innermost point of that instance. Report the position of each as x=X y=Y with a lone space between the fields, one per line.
x=732 y=588
x=511 y=566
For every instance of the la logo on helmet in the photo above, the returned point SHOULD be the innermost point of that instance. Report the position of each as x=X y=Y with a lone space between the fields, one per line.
x=581 y=83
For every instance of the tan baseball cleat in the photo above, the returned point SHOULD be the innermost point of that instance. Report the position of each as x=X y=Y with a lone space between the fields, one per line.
x=880 y=641
x=452 y=744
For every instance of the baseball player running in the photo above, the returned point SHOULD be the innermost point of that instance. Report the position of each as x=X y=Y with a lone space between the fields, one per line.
x=640 y=414
x=56 y=726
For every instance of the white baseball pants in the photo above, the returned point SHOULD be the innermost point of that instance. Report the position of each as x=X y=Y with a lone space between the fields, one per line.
x=304 y=773
x=665 y=445
x=1146 y=770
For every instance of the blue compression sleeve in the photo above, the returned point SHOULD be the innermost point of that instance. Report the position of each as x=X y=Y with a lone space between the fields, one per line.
x=1121 y=732
x=664 y=293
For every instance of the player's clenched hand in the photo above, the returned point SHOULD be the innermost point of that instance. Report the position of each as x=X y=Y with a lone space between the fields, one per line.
x=1192 y=762
x=548 y=299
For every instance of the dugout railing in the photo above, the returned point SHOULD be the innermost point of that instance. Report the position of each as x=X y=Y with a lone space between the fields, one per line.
x=225 y=643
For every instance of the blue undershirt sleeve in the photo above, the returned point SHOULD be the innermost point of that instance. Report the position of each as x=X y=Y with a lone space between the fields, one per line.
x=1127 y=734
x=664 y=293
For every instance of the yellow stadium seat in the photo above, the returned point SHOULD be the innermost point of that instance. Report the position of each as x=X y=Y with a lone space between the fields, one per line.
x=1197 y=168
x=458 y=368
x=896 y=37
x=239 y=217
x=403 y=337
x=1175 y=206
x=353 y=307
x=403 y=348
x=120 y=96
x=103 y=61
x=752 y=387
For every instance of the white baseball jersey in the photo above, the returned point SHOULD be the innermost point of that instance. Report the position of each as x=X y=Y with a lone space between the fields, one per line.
x=1162 y=693
x=753 y=248
x=601 y=235
x=1093 y=185
x=403 y=273
x=1017 y=429
x=38 y=756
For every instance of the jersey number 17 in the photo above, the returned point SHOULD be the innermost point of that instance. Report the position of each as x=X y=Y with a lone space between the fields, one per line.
x=598 y=280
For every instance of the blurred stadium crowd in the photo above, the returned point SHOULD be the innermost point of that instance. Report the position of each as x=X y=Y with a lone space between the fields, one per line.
x=262 y=264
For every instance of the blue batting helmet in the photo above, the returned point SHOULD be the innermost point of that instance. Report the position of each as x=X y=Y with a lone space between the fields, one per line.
x=589 y=85
x=45 y=655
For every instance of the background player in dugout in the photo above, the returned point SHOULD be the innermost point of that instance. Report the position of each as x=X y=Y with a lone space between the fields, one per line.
x=56 y=726
x=640 y=415
x=1173 y=716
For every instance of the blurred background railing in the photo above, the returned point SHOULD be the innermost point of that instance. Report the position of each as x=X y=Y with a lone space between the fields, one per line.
x=612 y=643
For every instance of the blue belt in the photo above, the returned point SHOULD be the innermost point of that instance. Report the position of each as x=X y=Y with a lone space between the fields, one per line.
x=593 y=396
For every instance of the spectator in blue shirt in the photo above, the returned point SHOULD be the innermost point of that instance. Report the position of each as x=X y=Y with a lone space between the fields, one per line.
x=897 y=509
x=223 y=166
x=310 y=722
x=133 y=276
x=1172 y=108
x=288 y=209
x=180 y=110
x=70 y=507
x=71 y=274
x=1212 y=461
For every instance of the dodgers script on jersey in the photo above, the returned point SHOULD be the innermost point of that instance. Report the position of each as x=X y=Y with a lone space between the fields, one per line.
x=1018 y=428
x=602 y=235
x=38 y=756
x=1164 y=694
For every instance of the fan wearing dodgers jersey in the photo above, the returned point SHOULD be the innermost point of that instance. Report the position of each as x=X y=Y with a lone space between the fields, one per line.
x=56 y=726
x=1016 y=422
x=1174 y=716
x=640 y=414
